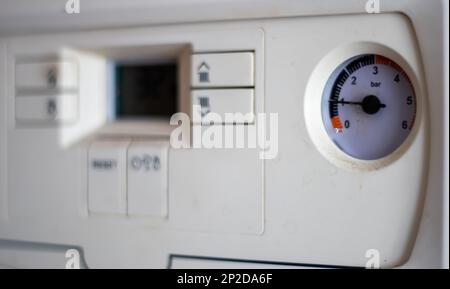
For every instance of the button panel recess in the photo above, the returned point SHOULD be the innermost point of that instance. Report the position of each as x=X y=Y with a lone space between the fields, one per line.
x=128 y=177
x=223 y=83
x=46 y=92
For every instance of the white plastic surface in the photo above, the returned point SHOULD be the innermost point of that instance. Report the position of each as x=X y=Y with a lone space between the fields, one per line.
x=222 y=69
x=228 y=202
x=303 y=206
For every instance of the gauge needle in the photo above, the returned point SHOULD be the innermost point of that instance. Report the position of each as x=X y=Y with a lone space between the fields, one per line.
x=370 y=104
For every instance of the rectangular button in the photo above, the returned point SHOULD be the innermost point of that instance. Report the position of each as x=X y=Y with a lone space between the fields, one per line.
x=222 y=69
x=147 y=178
x=222 y=102
x=44 y=108
x=107 y=177
x=53 y=74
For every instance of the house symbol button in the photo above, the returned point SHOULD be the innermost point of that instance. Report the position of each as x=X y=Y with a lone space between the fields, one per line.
x=203 y=72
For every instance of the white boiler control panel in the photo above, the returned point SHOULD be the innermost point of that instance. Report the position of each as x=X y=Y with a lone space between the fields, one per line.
x=89 y=163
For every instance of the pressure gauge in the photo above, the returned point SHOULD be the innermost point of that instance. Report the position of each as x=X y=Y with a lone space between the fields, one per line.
x=368 y=106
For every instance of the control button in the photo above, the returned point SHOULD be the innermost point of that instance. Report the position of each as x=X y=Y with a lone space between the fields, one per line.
x=147 y=178
x=223 y=102
x=34 y=108
x=107 y=177
x=222 y=69
x=62 y=75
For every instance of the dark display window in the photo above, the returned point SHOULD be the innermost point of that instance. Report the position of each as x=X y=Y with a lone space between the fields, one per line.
x=145 y=90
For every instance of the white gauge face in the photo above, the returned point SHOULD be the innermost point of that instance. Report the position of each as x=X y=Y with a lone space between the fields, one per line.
x=368 y=106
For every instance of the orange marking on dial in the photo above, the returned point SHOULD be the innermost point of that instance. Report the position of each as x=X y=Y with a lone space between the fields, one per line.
x=386 y=61
x=336 y=122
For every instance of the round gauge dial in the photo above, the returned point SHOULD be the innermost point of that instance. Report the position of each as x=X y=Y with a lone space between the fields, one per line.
x=368 y=106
